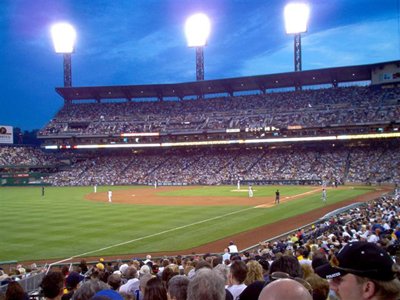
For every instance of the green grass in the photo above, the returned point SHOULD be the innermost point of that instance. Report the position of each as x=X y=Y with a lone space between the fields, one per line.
x=226 y=191
x=63 y=224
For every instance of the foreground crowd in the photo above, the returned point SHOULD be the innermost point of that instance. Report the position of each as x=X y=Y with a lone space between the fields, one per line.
x=350 y=256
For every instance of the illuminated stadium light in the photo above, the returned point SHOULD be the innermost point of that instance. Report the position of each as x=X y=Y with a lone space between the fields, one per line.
x=296 y=17
x=197 y=30
x=64 y=37
x=134 y=134
x=296 y=20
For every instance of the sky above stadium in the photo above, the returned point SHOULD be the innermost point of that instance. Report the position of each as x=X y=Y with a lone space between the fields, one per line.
x=128 y=42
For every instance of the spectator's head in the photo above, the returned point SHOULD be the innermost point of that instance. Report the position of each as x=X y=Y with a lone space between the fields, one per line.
x=52 y=285
x=320 y=287
x=114 y=281
x=264 y=264
x=89 y=288
x=73 y=279
x=143 y=282
x=223 y=271
x=237 y=272
x=285 y=289
x=363 y=270
x=155 y=290
x=207 y=284
x=177 y=287
x=288 y=264
x=15 y=292
x=202 y=264
x=318 y=259
x=254 y=273
x=130 y=273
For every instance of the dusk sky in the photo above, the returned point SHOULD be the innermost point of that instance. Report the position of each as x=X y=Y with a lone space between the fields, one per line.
x=121 y=42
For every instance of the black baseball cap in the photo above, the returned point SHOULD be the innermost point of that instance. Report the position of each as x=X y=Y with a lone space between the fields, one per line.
x=360 y=258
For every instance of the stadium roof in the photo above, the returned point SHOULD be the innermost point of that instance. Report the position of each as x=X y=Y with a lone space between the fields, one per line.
x=230 y=85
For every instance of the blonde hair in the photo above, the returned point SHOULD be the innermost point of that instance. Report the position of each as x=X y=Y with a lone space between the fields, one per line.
x=384 y=290
x=254 y=272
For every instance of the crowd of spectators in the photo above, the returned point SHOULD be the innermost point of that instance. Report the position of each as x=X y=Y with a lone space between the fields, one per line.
x=372 y=164
x=25 y=156
x=365 y=164
x=307 y=108
x=242 y=274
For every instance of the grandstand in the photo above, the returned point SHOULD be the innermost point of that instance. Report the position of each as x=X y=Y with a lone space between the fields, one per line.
x=258 y=130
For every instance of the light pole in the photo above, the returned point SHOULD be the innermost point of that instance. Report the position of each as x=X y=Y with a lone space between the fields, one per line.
x=296 y=19
x=64 y=36
x=197 y=29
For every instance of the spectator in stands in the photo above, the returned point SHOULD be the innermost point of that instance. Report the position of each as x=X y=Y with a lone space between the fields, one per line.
x=89 y=288
x=320 y=287
x=254 y=272
x=233 y=249
x=177 y=288
x=132 y=284
x=142 y=285
x=114 y=281
x=83 y=267
x=71 y=283
x=285 y=289
x=15 y=292
x=207 y=284
x=362 y=270
x=287 y=264
x=237 y=275
x=53 y=285
x=155 y=290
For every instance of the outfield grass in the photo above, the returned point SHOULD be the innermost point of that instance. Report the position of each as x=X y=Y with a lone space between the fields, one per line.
x=62 y=224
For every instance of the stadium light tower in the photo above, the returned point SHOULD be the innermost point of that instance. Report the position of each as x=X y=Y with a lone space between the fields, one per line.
x=197 y=29
x=64 y=36
x=296 y=20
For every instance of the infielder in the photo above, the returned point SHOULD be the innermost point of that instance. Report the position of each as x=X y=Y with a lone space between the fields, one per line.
x=110 y=196
x=251 y=194
x=324 y=195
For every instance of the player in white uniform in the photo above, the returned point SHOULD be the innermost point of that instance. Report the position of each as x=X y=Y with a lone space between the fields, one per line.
x=251 y=194
x=110 y=196
x=238 y=184
x=324 y=195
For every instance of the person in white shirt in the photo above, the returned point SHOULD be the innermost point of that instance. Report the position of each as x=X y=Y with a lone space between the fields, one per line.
x=226 y=255
x=133 y=282
x=233 y=249
x=236 y=277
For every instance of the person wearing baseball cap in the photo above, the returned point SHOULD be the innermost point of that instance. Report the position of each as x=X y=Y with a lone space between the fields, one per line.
x=362 y=270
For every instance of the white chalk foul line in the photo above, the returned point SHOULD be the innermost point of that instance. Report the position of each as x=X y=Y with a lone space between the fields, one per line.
x=154 y=234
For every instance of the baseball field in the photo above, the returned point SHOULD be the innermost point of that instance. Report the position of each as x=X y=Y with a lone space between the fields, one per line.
x=74 y=222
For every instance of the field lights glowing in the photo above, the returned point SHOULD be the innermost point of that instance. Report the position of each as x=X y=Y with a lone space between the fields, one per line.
x=296 y=17
x=64 y=37
x=197 y=30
